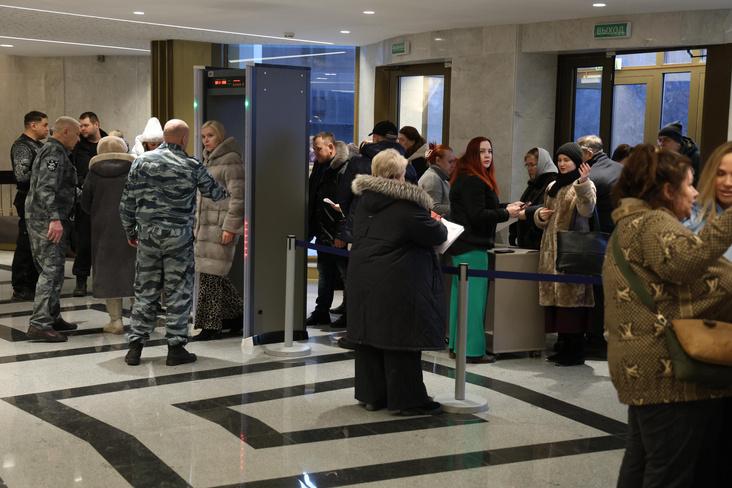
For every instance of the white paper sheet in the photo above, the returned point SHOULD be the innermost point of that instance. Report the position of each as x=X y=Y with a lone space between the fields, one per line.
x=453 y=232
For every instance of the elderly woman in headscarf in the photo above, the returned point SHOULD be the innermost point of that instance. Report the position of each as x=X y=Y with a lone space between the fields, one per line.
x=542 y=171
x=113 y=260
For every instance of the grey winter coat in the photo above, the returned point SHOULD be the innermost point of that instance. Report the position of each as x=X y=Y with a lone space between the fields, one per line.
x=113 y=259
x=435 y=182
x=212 y=218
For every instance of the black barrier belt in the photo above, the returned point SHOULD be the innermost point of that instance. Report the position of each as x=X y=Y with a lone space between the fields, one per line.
x=477 y=273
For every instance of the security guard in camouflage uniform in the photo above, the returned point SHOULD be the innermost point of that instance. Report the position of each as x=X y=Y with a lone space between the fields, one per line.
x=24 y=151
x=157 y=214
x=48 y=207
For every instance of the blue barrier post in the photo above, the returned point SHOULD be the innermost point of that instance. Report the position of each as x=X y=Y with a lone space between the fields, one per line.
x=460 y=403
x=288 y=349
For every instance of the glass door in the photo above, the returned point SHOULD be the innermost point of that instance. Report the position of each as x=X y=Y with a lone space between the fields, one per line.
x=633 y=116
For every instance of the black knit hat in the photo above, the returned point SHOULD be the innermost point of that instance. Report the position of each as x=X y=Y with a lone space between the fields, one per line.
x=385 y=128
x=672 y=131
x=572 y=151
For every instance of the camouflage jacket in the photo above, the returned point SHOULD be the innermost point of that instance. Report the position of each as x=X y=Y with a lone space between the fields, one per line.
x=22 y=154
x=161 y=190
x=52 y=193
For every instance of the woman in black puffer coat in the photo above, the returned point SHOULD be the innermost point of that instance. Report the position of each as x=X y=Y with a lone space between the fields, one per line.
x=396 y=305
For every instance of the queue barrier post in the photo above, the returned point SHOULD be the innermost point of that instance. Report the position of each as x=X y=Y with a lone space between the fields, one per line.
x=460 y=402
x=288 y=349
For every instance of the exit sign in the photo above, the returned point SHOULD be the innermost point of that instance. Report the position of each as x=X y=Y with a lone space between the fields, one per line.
x=617 y=30
x=400 y=48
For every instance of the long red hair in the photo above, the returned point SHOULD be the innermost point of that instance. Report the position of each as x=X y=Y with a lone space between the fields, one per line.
x=469 y=164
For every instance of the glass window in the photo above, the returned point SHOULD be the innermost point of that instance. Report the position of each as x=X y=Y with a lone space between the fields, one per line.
x=675 y=105
x=676 y=57
x=420 y=104
x=332 y=80
x=587 y=98
x=629 y=114
x=636 y=59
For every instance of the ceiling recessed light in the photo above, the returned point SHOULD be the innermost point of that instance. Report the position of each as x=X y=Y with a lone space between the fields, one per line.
x=138 y=12
x=345 y=32
x=6 y=45
x=599 y=5
x=439 y=39
x=369 y=12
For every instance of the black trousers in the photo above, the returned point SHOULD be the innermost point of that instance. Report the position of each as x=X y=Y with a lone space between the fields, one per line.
x=24 y=272
x=676 y=445
x=330 y=269
x=392 y=378
x=82 y=244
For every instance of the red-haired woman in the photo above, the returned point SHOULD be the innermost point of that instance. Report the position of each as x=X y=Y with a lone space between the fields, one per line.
x=474 y=204
x=436 y=180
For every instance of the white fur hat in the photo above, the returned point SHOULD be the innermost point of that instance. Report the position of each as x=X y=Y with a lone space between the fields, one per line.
x=153 y=131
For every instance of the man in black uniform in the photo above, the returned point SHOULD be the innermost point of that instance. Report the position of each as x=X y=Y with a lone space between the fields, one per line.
x=22 y=154
x=85 y=149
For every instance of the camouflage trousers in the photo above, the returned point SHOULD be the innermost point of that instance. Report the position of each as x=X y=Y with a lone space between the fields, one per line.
x=164 y=263
x=49 y=259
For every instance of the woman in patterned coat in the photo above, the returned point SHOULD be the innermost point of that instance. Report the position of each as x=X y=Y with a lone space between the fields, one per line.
x=567 y=305
x=670 y=422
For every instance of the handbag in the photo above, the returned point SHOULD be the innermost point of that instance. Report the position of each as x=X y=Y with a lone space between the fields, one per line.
x=581 y=251
x=700 y=350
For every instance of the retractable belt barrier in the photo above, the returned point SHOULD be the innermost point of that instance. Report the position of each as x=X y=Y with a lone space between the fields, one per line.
x=460 y=402
x=477 y=273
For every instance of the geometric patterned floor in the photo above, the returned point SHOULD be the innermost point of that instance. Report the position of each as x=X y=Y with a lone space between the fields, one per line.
x=74 y=415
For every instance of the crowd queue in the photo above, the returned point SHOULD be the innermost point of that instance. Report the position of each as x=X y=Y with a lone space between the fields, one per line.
x=146 y=218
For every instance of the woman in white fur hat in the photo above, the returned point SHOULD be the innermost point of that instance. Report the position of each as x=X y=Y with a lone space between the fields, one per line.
x=150 y=138
x=113 y=260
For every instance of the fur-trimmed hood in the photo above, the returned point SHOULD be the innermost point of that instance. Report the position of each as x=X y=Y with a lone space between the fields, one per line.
x=115 y=164
x=393 y=189
x=419 y=153
x=228 y=145
x=341 y=156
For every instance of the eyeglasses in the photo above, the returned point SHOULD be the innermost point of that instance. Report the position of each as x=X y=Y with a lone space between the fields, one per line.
x=530 y=165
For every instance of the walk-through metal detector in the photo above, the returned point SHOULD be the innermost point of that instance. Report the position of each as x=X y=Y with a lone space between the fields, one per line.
x=266 y=109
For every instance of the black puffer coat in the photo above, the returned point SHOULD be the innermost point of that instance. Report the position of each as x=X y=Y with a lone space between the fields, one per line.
x=395 y=292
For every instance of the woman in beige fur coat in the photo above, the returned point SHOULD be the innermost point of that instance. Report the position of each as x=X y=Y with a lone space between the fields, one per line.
x=567 y=305
x=218 y=226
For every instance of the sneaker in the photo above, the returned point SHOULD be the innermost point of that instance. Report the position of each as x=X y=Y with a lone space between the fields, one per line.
x=80 y=290
x=340 y=323
x=339 y=310
x=133 y=354
x=178 y=355
x=44 y=335
x=429 y=408
x=317 y=319
x=62 y=326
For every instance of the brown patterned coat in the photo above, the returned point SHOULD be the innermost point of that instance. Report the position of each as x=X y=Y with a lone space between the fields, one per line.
x=581 y=196
x=688 y=278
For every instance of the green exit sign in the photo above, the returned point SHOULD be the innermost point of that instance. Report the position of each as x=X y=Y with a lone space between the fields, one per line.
x=400 y=48
x=617 y=30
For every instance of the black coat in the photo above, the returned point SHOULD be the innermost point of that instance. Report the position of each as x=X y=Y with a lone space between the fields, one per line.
x=604 y=174
x=113 y=259
x=326 y=222
x=524 y=233
x=314 y=180
x=476 y=207
x=395 y=292
x=83 y=152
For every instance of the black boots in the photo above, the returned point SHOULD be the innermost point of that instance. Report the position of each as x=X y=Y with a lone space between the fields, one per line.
x=80 y=290
x=44 y=335
x=570 y=350
x=62 y=326
x=133 y=354
x=178 y=355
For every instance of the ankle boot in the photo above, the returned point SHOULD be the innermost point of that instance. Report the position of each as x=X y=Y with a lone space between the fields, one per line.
x=114 y=309
x=80 y=290
x=133 y=354
x=178 y=355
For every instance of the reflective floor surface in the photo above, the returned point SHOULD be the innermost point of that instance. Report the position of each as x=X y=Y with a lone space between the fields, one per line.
x=74 y=415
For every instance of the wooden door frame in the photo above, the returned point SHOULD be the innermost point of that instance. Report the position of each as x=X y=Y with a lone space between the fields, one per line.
x=386 y=91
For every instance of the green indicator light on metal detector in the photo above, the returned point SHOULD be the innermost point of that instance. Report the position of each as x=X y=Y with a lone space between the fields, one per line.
x=195 y=104
x=246 y=103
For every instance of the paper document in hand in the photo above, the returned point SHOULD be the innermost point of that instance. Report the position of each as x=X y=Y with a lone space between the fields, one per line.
x=453 y=232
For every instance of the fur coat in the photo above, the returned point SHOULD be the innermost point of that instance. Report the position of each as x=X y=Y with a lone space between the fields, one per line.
x=579 y=196
x=212 y=218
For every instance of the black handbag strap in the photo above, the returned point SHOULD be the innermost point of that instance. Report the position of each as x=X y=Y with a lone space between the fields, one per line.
x=634 y=281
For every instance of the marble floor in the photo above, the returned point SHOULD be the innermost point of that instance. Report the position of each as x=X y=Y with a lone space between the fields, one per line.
x=74 y=415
